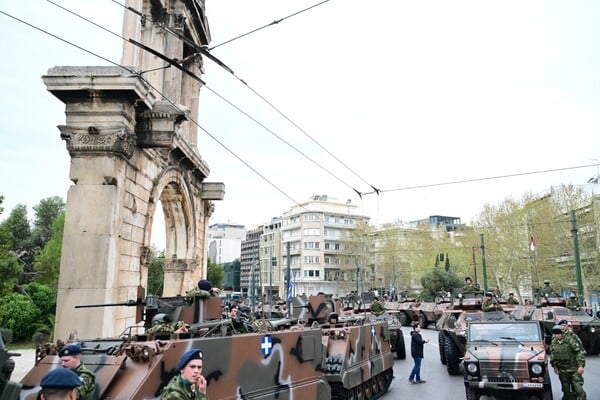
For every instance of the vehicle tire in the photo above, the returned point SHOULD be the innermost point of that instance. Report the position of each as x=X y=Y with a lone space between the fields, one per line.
x=472 y=394
x=453 y=357
x=423 y=321
x=400 y=348
x=404 y=319
x=547 y=394
x=592 y=347
x=442 y=347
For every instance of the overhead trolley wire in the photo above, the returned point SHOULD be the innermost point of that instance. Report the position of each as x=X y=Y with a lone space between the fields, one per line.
x=204 y=51
x=137 y=73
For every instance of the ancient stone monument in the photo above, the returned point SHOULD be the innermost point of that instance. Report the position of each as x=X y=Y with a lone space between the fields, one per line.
x=131 y=133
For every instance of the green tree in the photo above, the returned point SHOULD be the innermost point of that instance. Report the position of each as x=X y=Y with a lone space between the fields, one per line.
x=436 y=280
x=47 y=261
x=20 y=314
x=18 y=224
x=214 y=273
x=46 y=212
x=156 y=273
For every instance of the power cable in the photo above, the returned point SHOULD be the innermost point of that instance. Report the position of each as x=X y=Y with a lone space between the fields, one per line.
x=136 y=73
x=275 y=22
x=205 y=51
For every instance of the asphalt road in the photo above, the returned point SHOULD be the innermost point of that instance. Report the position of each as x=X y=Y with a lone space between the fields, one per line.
x=441 y=386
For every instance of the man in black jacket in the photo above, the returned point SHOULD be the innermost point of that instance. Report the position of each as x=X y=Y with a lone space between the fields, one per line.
x=416 y=351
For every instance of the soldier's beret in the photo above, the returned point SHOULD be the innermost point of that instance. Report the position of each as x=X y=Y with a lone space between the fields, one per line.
x=60 y=378
x=557 y=329
x=70 y=350
x=204 y=284
x=563 y=321
x=189 y=356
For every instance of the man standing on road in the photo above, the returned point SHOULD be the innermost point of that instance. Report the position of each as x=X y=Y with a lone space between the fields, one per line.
x=568 y=361
x=416 y=351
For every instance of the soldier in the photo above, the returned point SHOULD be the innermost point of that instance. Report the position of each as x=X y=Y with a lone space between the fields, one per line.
x=547 y=290
x=376 y=307
x=569 y=362
x=59 y=384
x=572 y=303
x=512 y=300
x=240 y=321
x=568 y=331
x=489 y=304
x=469 y=287
x=188 y=384
x=162 y=323
x=70 y=357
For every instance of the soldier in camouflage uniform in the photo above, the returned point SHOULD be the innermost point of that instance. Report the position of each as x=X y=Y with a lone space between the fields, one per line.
x=469 y=286
x=511 y=299
x=572 y=303
x=489 y=304
x=70 y=357
x=59 y=384
x=162 y=323
x=568 y=361
x=376 y=307
x=189 y=384
x=568 y=332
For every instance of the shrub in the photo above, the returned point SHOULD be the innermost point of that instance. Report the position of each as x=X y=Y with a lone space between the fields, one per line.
x=20 y=314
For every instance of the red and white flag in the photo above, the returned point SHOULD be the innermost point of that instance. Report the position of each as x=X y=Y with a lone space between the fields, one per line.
x=532 y=244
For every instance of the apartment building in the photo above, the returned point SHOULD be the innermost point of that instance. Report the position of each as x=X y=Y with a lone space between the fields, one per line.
x=322 y=256
x=224 y=242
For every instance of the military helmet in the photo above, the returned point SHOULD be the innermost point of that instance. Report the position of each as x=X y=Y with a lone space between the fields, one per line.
x=489 y=294
x=546 y=281
x=161 y=318
x=557 y=329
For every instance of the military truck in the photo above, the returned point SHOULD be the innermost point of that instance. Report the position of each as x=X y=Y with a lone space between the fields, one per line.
x=296 y=361
x=504 y=359
x=8 y=388
x=452 y=326
x=581 y=319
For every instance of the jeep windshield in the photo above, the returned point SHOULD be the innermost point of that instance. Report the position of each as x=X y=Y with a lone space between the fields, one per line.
x=499 y=332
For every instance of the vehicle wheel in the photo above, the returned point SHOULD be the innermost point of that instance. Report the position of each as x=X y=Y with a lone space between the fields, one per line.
x=472 y=394
x=592 y=347
x=400 y=348
x=423 y=321
x=403 y=318
x=452 y=357
x=442 y=347
x=359 y=393
x=368 y=390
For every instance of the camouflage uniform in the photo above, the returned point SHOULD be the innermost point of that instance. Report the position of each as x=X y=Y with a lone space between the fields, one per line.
x=165 y=328
x=180 y=389
x=572 y=304
x=490 y=305
x=512 y=301
x=470 y=289
x=377 y=308
x=567 y=357
x=86 y=390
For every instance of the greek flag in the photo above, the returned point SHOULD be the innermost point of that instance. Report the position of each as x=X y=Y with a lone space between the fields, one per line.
x=290 y=287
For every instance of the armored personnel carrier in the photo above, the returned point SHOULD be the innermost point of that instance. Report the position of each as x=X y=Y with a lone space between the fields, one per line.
x=404 y=309
x=452 y=327
x=428 y=313
x=503 y=358
x=581 y=319
x=287 y=360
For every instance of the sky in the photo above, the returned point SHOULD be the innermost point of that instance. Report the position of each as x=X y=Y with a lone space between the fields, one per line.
x=388 y=94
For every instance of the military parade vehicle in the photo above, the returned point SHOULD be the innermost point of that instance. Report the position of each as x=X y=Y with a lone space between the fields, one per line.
x=452 y=327
x=506 y=358
x=284 y=358
x=404 y=309
x=427 y=313
x=581 y=320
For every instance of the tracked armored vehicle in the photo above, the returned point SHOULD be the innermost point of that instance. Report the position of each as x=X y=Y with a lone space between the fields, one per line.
x=506 y=357
x=452 y=327
x=281 y=359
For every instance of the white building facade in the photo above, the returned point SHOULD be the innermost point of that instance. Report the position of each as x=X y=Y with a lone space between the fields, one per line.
x=225 y=241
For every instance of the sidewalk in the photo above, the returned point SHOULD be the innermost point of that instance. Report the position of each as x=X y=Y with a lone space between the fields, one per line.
x=23 y=364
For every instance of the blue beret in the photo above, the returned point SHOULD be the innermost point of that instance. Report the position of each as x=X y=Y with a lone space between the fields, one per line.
x=70 y=350
x=189 y=356
x=562 y=321
x=60 y=378
x=204 y=284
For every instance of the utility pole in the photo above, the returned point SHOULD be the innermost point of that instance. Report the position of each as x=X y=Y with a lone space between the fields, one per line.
x=577 y=259
x=288 y=289
x=483 y=267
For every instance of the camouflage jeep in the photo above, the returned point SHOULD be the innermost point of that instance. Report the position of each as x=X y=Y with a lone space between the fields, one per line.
x=503 y=358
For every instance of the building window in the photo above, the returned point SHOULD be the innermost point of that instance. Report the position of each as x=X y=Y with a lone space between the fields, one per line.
x=311 y=245
x=312 y=259
x=312 y=232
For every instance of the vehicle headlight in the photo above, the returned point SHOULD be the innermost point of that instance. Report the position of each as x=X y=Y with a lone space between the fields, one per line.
x=593 y=329
x=472 y=368
x=536 y=369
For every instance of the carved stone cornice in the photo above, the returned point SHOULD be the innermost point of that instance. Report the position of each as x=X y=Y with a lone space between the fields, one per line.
x=175 y=265
x=114 y=139
x=158 y=126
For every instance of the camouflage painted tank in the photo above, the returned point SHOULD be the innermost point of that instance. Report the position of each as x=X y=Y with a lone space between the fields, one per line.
x=281 y=359
x=8 y=388
x=505 y=357
x=452 y=326
x=581 y=320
